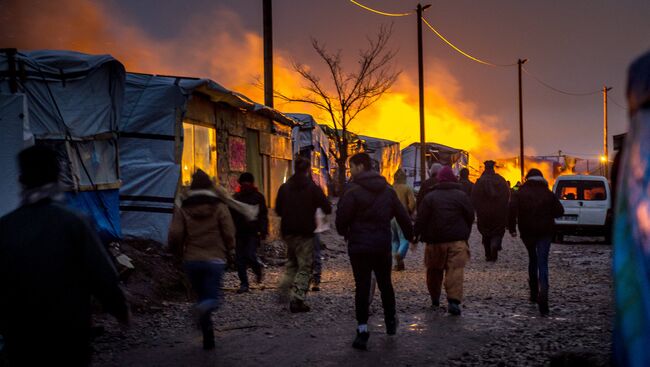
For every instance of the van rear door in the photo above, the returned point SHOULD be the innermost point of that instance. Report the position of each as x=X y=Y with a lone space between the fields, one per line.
x=595 y=202
x=567 y=191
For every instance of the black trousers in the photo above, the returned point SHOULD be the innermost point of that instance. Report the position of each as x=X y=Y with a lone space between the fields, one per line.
x=246 y=255
x=363 y=265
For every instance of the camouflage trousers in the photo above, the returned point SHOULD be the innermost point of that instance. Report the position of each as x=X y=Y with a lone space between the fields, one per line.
x=297 y=273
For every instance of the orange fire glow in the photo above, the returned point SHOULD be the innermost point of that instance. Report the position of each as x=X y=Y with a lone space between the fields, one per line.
x=231 y=55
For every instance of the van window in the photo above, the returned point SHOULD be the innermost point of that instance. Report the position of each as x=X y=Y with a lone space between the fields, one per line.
x=586 y=190
x=594 y=190
x=567 y=190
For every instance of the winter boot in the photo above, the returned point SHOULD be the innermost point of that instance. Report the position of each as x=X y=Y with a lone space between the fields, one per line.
x=361 y=341
x=297 y=306
x=243 y=289
x=391 y=326
x=453 y=308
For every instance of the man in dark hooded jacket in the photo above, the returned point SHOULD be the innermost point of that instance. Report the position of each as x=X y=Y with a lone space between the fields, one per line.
x=296 y=204
x=51 y=263
x=490 y=197
x=249 y=233
x=364 y=217
x=535 y=208
x=444 y=223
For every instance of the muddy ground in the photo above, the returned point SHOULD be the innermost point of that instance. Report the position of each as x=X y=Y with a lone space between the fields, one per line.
x=498 y=325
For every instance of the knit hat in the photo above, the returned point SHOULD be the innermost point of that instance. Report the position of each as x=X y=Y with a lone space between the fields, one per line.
x=489 y=164
x=446 y=175
x=201 y=181
x=534 y=172
x=246 y=177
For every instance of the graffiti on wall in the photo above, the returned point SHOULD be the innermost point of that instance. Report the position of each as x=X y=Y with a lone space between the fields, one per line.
x=237 y=154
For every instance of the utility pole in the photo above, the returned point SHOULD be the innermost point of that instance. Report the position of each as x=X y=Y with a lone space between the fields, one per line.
x=268 y=52
x=521 y=62
x=605 y=158
x=423 y=150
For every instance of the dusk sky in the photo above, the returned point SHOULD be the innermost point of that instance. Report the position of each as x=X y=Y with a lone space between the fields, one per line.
x=576 y=45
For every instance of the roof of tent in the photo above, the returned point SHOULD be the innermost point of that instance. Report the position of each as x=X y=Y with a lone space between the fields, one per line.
x=218 y=93
x=439 y=147
x=52 y=99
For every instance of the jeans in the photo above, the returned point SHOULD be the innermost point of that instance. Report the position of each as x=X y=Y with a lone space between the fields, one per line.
x=400 y=244
x=538 y=249
x=318 y=261
x=297 y=273
x=492 y=245
x=246 y=255
x=363 y=265
x=206 y=279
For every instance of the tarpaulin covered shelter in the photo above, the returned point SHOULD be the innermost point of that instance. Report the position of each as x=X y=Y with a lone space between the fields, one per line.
x=435 y=153
x=172 y=126
x=72 y=102
x=310 y=142
x=386 y=155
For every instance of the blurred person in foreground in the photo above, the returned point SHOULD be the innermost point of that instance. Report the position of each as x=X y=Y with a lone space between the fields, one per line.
x=51 y=264
x=202 y=233
x=534 y=209
x=363 y=217
x=444 y=223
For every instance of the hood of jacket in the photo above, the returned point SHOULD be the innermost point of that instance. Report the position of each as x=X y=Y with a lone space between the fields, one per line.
x=370 y=181
x=200 y=203
x=535 y=182
x=298 y=181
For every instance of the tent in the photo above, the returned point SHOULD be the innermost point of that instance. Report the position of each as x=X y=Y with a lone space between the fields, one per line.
x=157 y=111
x=309 y=141
x=435 y=153
x=73 y=103
x=385 y=154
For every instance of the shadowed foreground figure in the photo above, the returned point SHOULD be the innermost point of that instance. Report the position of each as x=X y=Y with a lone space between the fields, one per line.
x=490 y=196
x=363 y=217
x=51 y=263
x=203 y=234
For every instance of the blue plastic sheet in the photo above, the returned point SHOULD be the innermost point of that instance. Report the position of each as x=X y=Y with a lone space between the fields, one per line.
x=101 y=208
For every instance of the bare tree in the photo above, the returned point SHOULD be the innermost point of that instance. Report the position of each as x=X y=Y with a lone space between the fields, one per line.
x=349 y=93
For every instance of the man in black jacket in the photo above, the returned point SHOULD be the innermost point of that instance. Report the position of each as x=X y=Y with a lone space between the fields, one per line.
x=363 y=217
x=490 y=196
x=249 y=233
x=296 y=204
x=51 y=263
x=444 y=223
x=535 y=207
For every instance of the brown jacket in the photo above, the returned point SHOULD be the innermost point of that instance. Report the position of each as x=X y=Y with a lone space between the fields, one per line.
x=202 y=229
x=406 y=196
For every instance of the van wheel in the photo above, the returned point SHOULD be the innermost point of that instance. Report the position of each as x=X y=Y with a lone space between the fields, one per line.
x=559 y=238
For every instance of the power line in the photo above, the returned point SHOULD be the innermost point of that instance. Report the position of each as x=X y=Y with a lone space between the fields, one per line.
x=616 y=103
x=379 y=11
x=461 y=51
x=576 y=94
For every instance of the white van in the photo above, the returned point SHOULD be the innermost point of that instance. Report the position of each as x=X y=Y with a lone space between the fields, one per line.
x=587 y=202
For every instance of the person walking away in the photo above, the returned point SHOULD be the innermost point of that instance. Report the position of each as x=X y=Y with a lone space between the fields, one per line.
x=490 y=197
x=406 y=196
x=202 y=232
x=296 y=205
x=363 y=217
x=317 y=271
x=51 y=263
x=428 y=184
x=444 y=223
x=249 y=233
x=534 y=209
x=465 y=182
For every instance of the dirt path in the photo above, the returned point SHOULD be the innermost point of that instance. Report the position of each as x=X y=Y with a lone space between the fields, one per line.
x=498 y=325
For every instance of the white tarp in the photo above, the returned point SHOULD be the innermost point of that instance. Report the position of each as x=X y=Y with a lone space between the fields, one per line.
x=435 y=153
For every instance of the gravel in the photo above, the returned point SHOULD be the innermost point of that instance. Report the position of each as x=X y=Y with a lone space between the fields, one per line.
x=498 y=326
